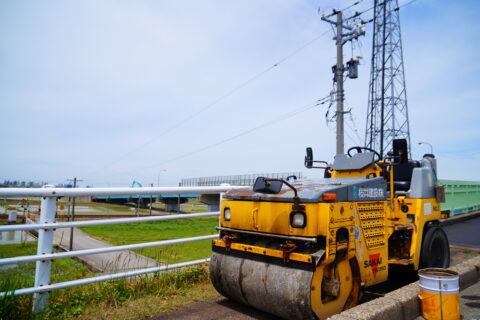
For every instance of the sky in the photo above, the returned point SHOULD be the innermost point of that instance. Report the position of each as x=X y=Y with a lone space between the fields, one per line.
x=156 y=91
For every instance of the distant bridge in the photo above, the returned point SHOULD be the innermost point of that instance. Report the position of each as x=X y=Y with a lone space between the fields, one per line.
x=171 y=201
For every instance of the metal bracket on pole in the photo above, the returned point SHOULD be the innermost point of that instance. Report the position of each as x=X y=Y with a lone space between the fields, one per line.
x=45 y=246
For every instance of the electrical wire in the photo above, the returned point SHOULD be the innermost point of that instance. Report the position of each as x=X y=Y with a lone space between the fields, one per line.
x=355 y=129
x=352 y=5
x=238 y=135
x=213 y=103
x=352 y=125
x=358 y=14
x=405 y=4
x=346 y=8
x=357 y=139
x=243 y=85
x=353 y=142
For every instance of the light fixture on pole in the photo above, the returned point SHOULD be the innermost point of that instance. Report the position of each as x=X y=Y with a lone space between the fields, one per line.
x=431 y=148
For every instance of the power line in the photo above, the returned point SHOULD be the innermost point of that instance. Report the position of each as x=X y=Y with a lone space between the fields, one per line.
x=405 y=4
x=357 y=139
x=238 y=135
x=215 y=102
x=350 y=138
x=358 y=14
x=355 y=129
x=352 y=5
x=344 y=9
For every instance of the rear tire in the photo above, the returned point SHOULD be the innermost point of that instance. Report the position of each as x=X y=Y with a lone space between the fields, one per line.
x=435 y=249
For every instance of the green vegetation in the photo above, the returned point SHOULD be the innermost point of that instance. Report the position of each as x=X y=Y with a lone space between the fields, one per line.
x=23 y=275
x=118 y=299
x=162 y=230
x=121 y=299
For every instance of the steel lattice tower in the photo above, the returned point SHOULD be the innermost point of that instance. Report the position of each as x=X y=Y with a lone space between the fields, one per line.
x=387 y=115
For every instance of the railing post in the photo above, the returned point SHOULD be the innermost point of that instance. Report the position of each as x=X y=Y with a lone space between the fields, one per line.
x=45 y=245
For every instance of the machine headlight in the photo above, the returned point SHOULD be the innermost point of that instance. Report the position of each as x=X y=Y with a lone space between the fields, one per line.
x=298 y=219
x=226 y=214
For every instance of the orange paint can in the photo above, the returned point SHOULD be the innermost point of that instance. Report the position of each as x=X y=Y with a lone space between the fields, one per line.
x=439 y=294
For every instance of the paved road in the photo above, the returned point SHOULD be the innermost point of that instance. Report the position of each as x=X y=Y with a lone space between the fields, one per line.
x=103 y=262
x=465 y=233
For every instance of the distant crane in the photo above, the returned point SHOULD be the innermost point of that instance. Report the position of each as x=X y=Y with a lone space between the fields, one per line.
x=387 y=115
x=136 y=183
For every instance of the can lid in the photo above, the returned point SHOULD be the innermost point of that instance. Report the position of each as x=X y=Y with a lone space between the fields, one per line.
x=438 y=273
x=438 y=280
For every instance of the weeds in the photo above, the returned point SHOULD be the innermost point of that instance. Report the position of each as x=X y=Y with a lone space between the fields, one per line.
x=66 y=303
x=12 y=307
x=73 y=301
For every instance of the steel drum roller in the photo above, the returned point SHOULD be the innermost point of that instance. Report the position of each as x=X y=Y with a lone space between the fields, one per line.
x=276 y=289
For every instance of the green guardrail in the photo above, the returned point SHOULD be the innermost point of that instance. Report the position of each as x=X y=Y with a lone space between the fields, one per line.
x=461 y=196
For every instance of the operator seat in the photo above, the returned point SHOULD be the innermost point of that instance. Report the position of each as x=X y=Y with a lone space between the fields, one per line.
x=402 y=172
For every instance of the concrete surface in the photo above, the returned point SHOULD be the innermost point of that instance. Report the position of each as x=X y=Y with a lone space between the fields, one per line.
x=407 y=297
x=378 y=309
x=103 y=262
x=401 y=278
x=470 y=302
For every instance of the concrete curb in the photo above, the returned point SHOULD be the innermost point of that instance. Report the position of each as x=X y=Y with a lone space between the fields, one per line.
x=459 y=218
x=404 y=302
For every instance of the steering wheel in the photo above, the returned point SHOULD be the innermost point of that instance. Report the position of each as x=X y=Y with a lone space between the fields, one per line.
x=359 y=150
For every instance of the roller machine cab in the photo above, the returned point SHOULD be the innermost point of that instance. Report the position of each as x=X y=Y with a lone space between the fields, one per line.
x=305 y=249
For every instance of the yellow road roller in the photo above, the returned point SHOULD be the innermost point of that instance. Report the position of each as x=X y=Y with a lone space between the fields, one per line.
x=304 y=249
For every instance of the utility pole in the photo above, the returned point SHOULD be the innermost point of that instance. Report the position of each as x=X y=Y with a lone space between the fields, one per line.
x=137 y=211
x=339 y=81
x=151 y=198
x=340 y=39
x=72 y=217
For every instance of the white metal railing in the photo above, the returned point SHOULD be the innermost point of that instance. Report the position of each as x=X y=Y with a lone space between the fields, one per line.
x=47 y=226
x=89 y=223
x=79 y=192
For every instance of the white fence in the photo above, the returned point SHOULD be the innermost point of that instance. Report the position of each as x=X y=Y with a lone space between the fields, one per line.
x=47 y=225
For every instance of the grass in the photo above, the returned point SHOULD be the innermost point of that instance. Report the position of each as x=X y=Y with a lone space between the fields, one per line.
x=162 y=230
x=121 y=299
x=23 y=275
x=152 y=304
